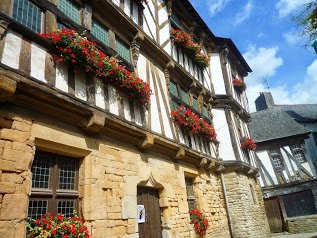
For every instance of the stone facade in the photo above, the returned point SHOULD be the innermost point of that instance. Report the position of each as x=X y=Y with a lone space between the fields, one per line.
x=304 y=224
x=116 y=145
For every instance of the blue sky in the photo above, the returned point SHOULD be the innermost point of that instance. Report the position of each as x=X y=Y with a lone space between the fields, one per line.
x=269 y=40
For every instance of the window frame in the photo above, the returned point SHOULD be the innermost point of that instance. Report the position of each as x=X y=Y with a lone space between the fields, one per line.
x=275 y=153
x=53 y=194
x=189 y=183
x=298 y=148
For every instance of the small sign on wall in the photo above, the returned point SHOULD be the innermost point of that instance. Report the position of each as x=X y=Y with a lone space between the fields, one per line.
x=141 y=214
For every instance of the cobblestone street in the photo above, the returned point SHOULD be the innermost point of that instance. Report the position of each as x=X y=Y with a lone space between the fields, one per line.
x=287 y=235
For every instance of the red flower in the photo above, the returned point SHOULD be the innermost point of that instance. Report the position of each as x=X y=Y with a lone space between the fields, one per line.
x=239 y=85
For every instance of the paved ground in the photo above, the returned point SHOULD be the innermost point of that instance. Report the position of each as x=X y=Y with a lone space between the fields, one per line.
x=287 y=235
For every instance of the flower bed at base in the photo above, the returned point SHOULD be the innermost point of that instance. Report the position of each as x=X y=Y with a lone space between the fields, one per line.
x=84 y=54
x=57 y=227
x=239 y=85
x=199 y=220
x=184 y=40
x=185 y=117
x=247 y=143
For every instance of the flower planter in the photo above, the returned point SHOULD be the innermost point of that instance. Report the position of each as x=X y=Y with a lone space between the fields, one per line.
x=199 y=220
x=239 y=85
x=192 y=123
x=247 y=143
x=84 y=54
x=184 y=40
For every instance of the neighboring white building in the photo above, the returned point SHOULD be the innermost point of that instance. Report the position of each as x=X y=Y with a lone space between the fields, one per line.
x=286 y=152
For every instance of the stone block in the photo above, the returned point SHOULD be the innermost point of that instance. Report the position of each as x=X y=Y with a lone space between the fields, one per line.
x=7 y=229
x=7 y=165
x=131 y=185
x=118 y=231
x=5 y=144
x=21 y=126
x=14 y=135
x=22 y=147
x=7 y=187
x=164 y=202
x=20 y=230
x=129 y=207
x=14 y=207
x=22 y=159
x=114 y=216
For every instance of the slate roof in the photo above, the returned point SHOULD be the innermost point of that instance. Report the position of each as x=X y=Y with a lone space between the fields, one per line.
x=273 y=124
x=300 y=112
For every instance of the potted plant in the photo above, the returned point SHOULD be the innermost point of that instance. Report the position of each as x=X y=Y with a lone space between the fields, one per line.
x=199 y=220
x=239 y=85
x=192 y=123
x=57 y=227
x=247 y=143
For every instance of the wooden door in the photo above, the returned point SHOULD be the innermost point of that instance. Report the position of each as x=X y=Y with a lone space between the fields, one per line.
x=274 y=215
x=151 y=228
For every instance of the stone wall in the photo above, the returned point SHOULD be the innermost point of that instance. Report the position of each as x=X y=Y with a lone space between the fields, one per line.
x=16 y=155
x=303 y=224
x=109 y=174
x=246 y=206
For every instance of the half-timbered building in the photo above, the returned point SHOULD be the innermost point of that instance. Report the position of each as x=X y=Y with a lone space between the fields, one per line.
x=75 y=136
x=285 y=157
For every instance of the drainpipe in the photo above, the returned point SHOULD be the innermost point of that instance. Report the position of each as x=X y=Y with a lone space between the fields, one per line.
x=227 y=204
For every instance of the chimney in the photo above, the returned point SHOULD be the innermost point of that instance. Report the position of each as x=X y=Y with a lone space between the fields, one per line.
x=264 y=101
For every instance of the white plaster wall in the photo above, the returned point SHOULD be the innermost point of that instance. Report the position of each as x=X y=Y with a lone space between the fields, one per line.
x=62 y=76
x=149 y=24
x=126 y=108
x=12 y=49
x=223 y=136
x=216 y=74
x=38 y=55
x=310 y=143
x=265 y=159
x=99 y=93
x=113 y=102
x=164 y=32
x=166 y=116
x=117 y=2
x=80 y=85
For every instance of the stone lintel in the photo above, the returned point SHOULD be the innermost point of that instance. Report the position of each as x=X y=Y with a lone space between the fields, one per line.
x=96 y=123
x=7 y=88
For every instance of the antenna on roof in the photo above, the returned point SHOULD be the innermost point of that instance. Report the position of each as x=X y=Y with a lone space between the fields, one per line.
x=266 y=82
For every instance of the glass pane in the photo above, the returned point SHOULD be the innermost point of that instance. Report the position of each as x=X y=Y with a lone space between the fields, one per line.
x=184 y=97
x=195 y=104
x=173 y=89
x=70 y=9
x=205 y=111
x=37 y=208
x=67 y=173
x=175 y=105
x=27 y=14
x=100 y=32
x=41 y=172
x=123 y=50
x=66 y=207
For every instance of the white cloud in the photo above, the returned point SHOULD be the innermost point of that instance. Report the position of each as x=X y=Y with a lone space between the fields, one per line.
x=216 y=6
x=265 y=63
x=292 y=37
x=285 y=7
x=260 y=35
x=245 y=13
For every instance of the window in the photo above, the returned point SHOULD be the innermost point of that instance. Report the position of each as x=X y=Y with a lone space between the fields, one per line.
x=205 y=111
x=277 y=161
x=298 y=153
x=70 y=9
x=100 y=32
x=27 y=14
x=195 y=104
x=190 y=193
x=123 y=50
x=131 y=8
x=184 y=96
x=54 y=185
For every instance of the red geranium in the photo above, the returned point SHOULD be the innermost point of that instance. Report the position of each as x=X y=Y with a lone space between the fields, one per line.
x=185 y=117
x=184 y=40
x=247 y=143
x=199 y=220
x=239 y=85
x=84 y=54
